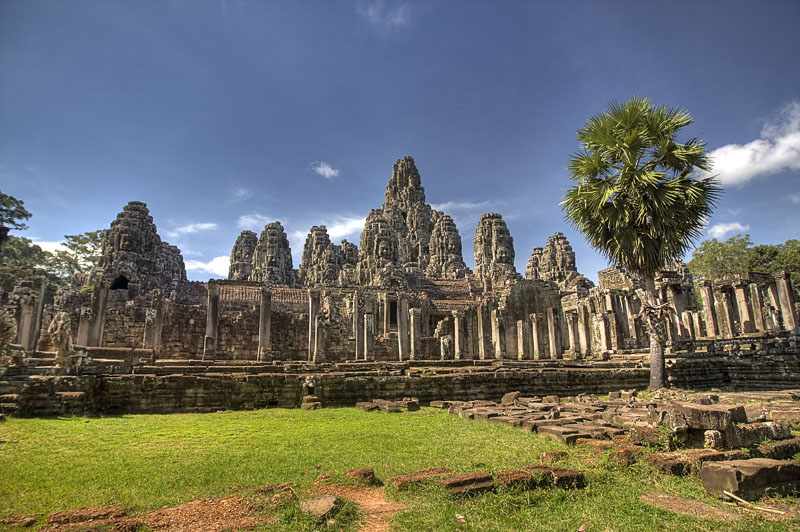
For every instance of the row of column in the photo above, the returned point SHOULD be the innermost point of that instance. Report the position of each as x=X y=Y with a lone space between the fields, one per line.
x=210 y=342
x=720 y=312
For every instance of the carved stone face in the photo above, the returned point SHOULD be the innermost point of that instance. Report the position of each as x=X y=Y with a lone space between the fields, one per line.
x=384 y=250
x=452 y=244
x=503 y=255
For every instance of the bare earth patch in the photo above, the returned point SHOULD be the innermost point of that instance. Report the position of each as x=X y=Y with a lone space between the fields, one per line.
x=372 y=504
x=688 y=507
x=217 y=514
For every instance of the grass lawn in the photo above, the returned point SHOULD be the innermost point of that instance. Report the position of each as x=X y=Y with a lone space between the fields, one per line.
x=146 y=462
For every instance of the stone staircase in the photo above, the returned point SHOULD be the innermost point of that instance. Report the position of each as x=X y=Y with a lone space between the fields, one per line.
x=9 y=395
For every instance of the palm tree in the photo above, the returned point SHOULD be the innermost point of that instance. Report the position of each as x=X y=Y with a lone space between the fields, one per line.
x=636 y=200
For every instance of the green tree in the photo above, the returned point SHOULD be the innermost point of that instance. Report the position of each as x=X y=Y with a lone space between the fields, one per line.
x=12 y=215
x=22 y=254
x=713 y=258
x=81 y=253
x=635 y=199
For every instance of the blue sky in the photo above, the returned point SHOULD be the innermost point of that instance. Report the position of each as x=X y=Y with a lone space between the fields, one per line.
x=224 y=115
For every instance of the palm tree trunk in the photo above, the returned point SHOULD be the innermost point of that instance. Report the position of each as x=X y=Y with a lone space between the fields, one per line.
x=657 y=368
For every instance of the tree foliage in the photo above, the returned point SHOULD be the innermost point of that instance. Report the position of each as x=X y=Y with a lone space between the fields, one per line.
x=12 y=212
x=81 y=253
x=635 y=200
x=713 y=259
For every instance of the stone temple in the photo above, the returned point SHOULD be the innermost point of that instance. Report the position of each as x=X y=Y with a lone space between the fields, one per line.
x=398 y=315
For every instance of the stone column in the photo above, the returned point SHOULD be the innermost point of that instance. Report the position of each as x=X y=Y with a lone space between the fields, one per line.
x=523 y=341
x=471 y=339
x=510 y=340
x=369 y=336
x=484 y=331
x=402 y=327
x=386 y=313
x=265 y=324
x=319 y=340
x=26 y=331
x=553 y=333
x=745 y=316
x=601 y=325
x=572 y=329
x=313 y=311
x=613 y=330
x=698 y=329
x=98 y=315
x=496 y=340
x=415 y=330
x=631 y=319
x=757 y=306
x=584 y=335
x=212 y=316
x=154 y=323
x=786 y=300
x=678 y=303
x=458 y=332
x=536 y=337
x=84 y=322
x=358 y=325
x=725 y=315
x=712 y=329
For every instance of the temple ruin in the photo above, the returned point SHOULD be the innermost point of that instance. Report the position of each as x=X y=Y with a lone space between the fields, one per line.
x=399 y=314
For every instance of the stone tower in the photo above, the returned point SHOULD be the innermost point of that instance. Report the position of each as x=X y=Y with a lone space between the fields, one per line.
x=494 y=249
x=556 y=263
x=446 y=260
x=322 y=261
x=134 y=256
x=272 y=258
x=242 y=256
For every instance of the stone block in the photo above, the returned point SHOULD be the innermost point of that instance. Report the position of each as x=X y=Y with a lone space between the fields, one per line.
x=362 y=474
x=367 y=407
x=516 y=477
x=780 y=450
x=468 y=483
x=311 y=406
x=319 y=507
x=705 y=417
x=753 y=433
x=417 y=477
x=510 y=398
x=751 y=479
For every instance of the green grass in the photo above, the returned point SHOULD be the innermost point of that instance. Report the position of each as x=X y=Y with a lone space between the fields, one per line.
x=149 y=461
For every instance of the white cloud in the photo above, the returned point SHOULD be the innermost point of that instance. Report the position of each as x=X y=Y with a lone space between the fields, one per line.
x=52 y=247
x=254 y=221
x=465 y=206
x=794 y=198
x=777 y=150
x=217 y=266
x=385 y=14
x=325 y=170
x=192 y=228
x=720 y=230
x=343 y=227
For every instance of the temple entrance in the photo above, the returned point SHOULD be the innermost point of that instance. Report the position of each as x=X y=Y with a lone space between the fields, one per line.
x=120 y=283
x=393 y=314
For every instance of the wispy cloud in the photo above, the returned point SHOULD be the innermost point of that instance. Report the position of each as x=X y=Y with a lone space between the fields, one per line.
x=794 y=198
x=325 y=170
x=385 y=14
x=465 y=206
x=239 y=194
x=253 y=221
x=720 y=230
x=192 y=228
x=776 y=150
x=217 y=266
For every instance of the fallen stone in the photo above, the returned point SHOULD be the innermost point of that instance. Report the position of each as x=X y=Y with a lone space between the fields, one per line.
x=751 y=479
x=647 y=435
x=552 y=456
x=468 y=483
x=780 y=450
x=705 y=417
x=786 y=417
x=362 y=474
x=419 y=476
x=516 y=477
x=510 y=398
x=387 y=406
x=411 y=405
x=560 y=477
x=440 y=404
x=319 y=507
x=82 y=515
x=753 y=433
x=367 y=407
x=625 y=456
x=311 y=406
